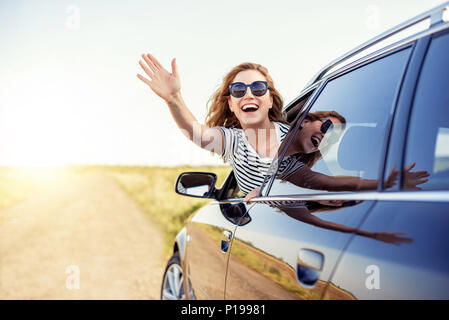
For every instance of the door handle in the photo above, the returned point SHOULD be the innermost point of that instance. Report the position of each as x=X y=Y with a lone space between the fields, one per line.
x=225 y=243
x=308 y=267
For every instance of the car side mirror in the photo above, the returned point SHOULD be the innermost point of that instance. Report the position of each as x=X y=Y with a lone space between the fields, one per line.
x=196 y=184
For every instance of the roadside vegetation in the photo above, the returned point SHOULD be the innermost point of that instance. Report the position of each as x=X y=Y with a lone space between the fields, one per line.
x=152 y=188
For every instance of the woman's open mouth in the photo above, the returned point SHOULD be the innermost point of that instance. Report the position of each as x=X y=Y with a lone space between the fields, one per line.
x=315 y=141
x=250 y=107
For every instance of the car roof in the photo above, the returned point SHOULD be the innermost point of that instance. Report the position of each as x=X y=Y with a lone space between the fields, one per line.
x=360 y=54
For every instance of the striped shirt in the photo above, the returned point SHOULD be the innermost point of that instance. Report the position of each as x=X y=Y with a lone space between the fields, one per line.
x=249 y=167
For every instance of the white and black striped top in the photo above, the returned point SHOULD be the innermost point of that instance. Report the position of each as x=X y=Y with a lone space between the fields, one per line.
x=249 y=168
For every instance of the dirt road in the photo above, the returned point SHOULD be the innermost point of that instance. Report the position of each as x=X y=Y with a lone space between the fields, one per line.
x=79 y=231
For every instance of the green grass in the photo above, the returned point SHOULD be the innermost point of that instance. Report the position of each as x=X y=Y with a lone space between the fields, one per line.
x=152 y=188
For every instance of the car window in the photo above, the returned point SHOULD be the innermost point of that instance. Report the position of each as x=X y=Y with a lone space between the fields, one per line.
x=353 y=110
x=428 y=137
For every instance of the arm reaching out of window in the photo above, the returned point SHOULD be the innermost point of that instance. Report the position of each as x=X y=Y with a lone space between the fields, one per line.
x=168 y=86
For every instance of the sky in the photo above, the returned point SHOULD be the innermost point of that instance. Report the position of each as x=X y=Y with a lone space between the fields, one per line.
x=68 y=87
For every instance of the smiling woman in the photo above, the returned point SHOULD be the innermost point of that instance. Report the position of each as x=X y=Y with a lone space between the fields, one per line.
x=244 y=126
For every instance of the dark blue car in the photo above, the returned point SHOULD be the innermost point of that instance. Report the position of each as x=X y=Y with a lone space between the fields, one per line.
x=386 y=241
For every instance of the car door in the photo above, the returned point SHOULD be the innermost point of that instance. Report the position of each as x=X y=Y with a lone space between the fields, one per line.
x=296 y=235
x=209 y=234
x=417 y=267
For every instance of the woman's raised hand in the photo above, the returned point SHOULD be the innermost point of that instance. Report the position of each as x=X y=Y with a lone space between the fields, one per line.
x=165 y=84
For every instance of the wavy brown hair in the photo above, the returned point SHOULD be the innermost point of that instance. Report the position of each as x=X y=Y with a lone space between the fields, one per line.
x=219 y=113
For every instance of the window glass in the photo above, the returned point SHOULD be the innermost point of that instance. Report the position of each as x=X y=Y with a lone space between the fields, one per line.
x=338 y=147
x=428 y=138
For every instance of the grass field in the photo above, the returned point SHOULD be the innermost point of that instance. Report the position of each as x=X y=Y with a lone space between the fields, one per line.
x=152 y=188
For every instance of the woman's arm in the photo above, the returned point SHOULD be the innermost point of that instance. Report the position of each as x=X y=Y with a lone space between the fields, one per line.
x=306 y=178
x=309 y=179
x=168 y=86
x=385 y=236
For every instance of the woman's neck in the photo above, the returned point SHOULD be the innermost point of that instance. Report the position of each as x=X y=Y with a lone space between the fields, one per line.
x=265 y=125
x=263 y=139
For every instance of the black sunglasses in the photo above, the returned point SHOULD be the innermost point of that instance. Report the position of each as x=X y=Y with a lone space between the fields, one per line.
x=325 y=126
x=238 y=89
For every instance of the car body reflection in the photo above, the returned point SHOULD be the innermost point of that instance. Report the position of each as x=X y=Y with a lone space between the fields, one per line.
x=264 y=260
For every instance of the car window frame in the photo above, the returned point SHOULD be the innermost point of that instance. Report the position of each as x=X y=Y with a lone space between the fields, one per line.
x=427 y=42
x=269 y=179
x=398 y=135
